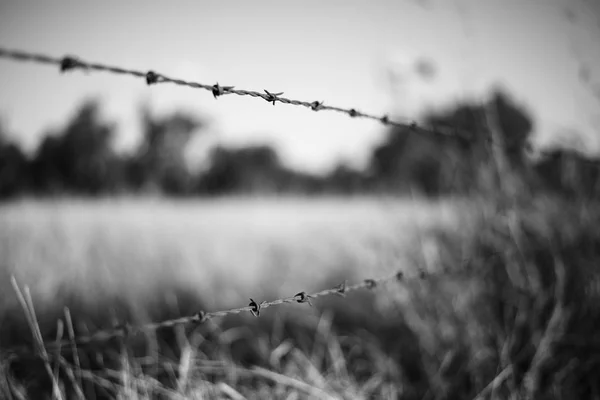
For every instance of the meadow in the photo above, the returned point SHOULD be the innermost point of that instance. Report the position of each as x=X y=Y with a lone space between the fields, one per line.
x=224 y=250
x=141 y=255
x=489 y=324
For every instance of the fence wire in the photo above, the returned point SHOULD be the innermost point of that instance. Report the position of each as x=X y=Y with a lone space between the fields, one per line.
x=67 y=63
x=151 y=77
x=127 y=330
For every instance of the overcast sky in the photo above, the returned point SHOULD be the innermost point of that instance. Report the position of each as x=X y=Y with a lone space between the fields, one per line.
x=341 y=52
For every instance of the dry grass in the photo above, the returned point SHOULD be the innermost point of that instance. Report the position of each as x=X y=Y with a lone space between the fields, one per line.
x=147 y=260
x=224 y=251
x=516 y=321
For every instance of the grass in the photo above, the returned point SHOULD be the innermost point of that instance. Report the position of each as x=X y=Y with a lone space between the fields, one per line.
x=512 y=316
x=233 y=248
x=149 y=260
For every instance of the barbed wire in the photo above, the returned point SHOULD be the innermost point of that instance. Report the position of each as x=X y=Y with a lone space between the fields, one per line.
x=151 y=77
x=127 y=330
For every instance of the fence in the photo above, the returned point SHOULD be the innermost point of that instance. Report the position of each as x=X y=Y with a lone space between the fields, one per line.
x=68 y=63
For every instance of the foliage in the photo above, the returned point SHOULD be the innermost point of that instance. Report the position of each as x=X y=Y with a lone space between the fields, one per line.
x=160 y=162
x=13 y=168
x=80 y=159
x=248 y=169
x=435 y=165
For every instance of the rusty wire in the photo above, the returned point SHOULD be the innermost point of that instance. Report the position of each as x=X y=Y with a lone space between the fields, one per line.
x=151 y=77
x=126 y=330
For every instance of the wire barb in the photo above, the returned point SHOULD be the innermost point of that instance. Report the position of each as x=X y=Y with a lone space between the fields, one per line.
x=200 y=317
x=303 y=297
x=255 y=310
x=316 y=105
x=218 y=90
x=68 y=62
x=151 y=77
x=341 y=289
x=272 y=97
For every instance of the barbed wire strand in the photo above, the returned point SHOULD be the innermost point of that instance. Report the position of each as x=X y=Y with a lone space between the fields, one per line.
x=127 y=330
x=68 y=62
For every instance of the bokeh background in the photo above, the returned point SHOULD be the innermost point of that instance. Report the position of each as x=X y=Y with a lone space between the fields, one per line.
x=133 y=203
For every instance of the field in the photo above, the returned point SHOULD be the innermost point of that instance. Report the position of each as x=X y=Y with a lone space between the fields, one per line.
x=141 y=255
x=136 y=261
x=223 y=250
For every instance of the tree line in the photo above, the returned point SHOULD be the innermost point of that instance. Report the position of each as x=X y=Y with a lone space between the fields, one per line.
x=80 y=159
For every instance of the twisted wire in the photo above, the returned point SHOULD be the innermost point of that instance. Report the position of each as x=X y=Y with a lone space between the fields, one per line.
x=67 y=63
x=126 y=330
x=70 y=63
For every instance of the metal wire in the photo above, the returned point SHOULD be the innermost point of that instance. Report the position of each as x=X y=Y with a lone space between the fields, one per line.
x=255 y=308
x=70 y=63
x=67 y=63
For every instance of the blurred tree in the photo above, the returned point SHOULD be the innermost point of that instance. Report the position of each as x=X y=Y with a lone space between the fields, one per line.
x=13 y=167
x=434 y=164
x=160 y=162
x=46 y=172
x=515 y=125
x=79 y=159
x=427 y=163
x=345 y=180
x=247 y=169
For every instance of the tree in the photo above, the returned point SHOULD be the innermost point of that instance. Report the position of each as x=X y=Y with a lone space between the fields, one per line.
x=80 y=159
x=437 y=164
x=346 y=180
x=160 y=160
x=13 y=168
x=515 y=125
x=247 y=169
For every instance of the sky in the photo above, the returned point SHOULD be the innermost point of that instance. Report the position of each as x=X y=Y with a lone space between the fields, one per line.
x=347 y=53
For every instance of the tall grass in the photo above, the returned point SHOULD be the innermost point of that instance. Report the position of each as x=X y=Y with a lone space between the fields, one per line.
x=526 y=320
x=139 y=261
x=513 y=317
